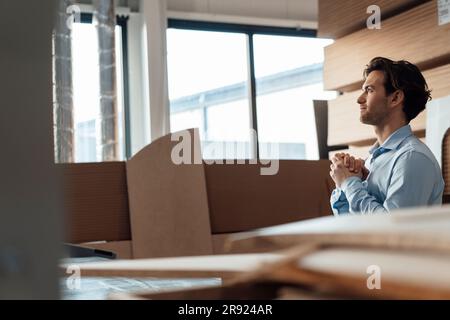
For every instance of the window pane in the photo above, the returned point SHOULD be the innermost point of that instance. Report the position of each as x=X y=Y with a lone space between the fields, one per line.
x=208 y=87
x=288 y=74
x=86 y=90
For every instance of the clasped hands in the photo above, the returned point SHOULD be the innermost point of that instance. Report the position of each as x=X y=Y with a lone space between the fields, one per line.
x=344 y=166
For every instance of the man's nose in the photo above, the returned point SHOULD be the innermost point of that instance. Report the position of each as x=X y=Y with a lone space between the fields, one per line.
x=361 y=99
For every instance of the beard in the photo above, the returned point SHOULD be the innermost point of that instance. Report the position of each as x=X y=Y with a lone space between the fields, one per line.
x=374 y=117
x=366 y=118
x=371 y=118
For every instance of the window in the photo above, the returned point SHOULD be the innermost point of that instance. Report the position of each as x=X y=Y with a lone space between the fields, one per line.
x=226 y=79
x=288 y=73
x=208 y=88
x=86 y=90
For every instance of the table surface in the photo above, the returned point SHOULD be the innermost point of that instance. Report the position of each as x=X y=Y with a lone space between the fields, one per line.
x=99 y=288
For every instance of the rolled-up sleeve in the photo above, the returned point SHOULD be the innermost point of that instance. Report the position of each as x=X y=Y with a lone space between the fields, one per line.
x=359 y=199
x=411 y=184
x=339 y=203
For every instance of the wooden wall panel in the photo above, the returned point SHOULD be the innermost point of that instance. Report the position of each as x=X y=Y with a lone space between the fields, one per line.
x=340 y=18
x=438 y=80
x=413 y=35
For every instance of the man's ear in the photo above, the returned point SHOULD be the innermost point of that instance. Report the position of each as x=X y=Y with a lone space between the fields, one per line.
x=397 y=98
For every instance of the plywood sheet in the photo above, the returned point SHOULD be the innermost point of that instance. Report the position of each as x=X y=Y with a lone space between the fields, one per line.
x=340 y=18
x=222 y=266
x=324 y=273
x=413 y=35
x=428 y=226
x=410 y=251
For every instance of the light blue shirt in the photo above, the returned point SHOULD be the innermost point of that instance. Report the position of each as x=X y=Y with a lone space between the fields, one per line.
x=403 y=173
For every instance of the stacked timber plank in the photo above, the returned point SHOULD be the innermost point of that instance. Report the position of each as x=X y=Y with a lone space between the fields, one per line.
x=405 y=255
x=409 y=31
x=347 y=18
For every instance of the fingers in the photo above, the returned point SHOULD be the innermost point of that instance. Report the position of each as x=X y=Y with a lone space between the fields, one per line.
x=336 y=160
x=352 y=164
x=358 y=165
x=336 y=165
x=346 y=161
x=337 y=157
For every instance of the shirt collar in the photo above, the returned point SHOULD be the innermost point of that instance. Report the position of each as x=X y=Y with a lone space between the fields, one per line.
x=394 y=140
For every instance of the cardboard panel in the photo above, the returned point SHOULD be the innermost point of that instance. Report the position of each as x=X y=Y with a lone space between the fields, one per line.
x=413 y=35
x=344 y=126
x=340 y=18
x=240 y=198
x=96 y=202
x=168 y=202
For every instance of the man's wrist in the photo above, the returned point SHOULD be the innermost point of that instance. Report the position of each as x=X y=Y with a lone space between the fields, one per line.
x=345 y=184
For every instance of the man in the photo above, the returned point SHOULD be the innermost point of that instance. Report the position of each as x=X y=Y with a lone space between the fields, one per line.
x=401 y=171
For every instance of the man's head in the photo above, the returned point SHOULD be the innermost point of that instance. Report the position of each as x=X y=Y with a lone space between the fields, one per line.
x=392 y=89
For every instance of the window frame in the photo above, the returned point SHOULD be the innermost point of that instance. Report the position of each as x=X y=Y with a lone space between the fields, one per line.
x=122 y=21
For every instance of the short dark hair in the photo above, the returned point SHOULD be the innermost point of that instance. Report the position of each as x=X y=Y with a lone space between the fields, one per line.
x=405 y=76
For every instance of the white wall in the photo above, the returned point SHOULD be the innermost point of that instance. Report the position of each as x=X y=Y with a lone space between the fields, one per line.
x=154 y=26
x=438 y=122
x=139 y=110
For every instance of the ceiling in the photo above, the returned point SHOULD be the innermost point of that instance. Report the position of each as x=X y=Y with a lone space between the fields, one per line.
x=278 y=9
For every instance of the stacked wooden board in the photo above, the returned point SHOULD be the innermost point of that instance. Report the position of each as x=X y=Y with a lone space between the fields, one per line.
x=410 y=250
x=409 y=31
x=339 y=18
